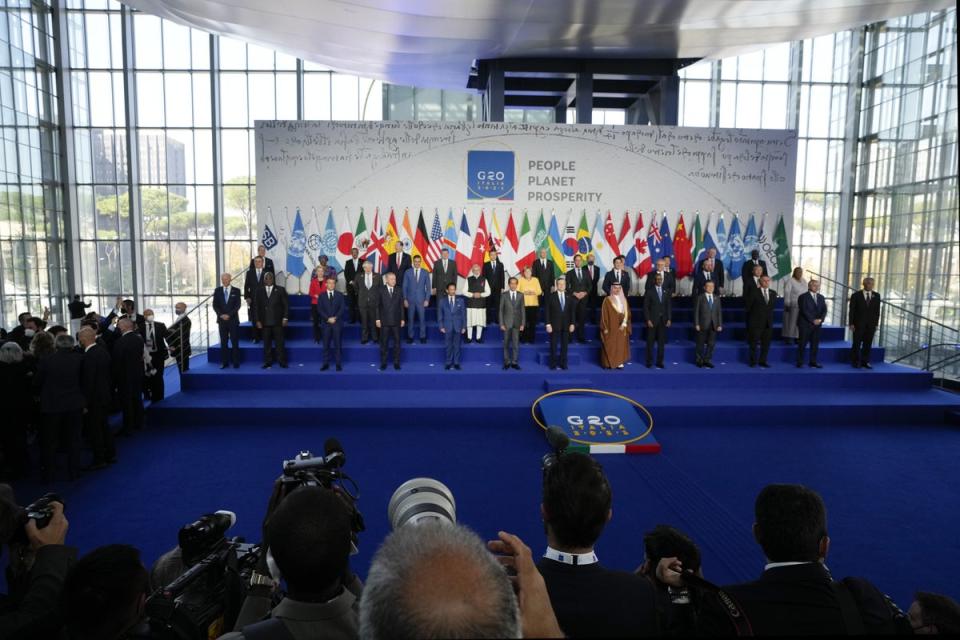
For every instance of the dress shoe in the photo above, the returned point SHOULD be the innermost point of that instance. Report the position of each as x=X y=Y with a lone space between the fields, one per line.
x=457 y=367
x=397 y=367
x=564 y=367
x=708 y=365
x=339 y=367
x=283 y=365
x=364 y=341
x=467 y=340
x=506 y=366
x=816 y=365
x=553 y=368
x=324 y=367
x=480 y=340
x=236 y=366
x=856 y=365
x=866 y=365
x=266 y=365
x=660 y=365
x=223 y=366
x=383 y=367
x=649 y=366
x=515 y=366
x=799 y=365
x=448 y=367
x=409 y=340
x=764 y=365
x=753 y=364
x=423 y=341
x=699 y=365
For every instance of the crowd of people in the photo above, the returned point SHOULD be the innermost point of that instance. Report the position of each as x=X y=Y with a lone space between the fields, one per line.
x=388 y=303
x=433 y=578
x=61 y=385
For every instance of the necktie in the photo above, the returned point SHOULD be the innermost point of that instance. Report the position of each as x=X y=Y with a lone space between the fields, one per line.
x=710 y=301
x=616 y=274
x=226 y=294
x=561 y=302
x=451 y=302
x=708 y=275
x=416 y=274
x=756 y=280
x=590 y=271
x=150 y=335
x=258 y=275
x=765 y=297
x=390 y=290
x=659 y=295
x=578 y=274
x=330 y=295
x=493 y=265
x=543 y=263
x=369 y=280
x=513 y=296
x=868 y=297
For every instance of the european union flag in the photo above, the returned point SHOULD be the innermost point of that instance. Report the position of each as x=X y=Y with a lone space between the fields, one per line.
x=295 y=248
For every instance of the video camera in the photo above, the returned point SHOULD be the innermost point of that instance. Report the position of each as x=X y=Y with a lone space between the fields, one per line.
x=205 y=600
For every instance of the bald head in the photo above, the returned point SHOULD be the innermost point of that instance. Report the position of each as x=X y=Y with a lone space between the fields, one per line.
x=86 y=336
x=437 y=581
x=124 y=325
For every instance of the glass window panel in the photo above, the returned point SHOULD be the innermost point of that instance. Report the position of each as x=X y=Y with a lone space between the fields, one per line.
x=748 y=105
x=400 y=102
x=150 y=102
x=822 y=63
x=316 y=96
x=750 y=66
x=819 y=111
x=287 y=96
x=774 y=106
x=233 y=53
x=371 y=105
x=148 y=41
x=700 y=70
x=815 y=177
x=177 y=90
x=728 y=104
x=345 y=90
x=429 y=107
x=263 y=96
x=259 y=58
x=200 y=49
x=286 y=62
x=203 y=156
x=696 y=104
x=97 y=37
x=101 y=99
x=776 y=62
x=233 y=99
x=176 y=45
x=235 y=153
x=201 y=100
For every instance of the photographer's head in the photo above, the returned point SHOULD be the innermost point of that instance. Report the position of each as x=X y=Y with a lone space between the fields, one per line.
x=665 y=541
x=437 y=581
x=791 y=524
x=576 y=502
x=309 y=538
x=104 y=593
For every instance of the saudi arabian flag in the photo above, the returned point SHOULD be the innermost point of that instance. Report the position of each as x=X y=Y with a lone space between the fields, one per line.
x=540 y=235
x=697 y=240
x=784 y=268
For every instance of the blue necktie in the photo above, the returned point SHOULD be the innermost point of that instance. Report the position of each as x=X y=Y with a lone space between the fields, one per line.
x=226 y=294
x=659 y=294
x=561 y=303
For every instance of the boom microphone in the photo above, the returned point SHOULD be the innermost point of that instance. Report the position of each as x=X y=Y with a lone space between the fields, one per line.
x=557 y=438
x=333 y=453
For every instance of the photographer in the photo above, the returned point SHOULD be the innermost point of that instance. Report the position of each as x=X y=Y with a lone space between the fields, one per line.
x=104 y=594
x=308 y=539
x=668 y=552
x=36 y=570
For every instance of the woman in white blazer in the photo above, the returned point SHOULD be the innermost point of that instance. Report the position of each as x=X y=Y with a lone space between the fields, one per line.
x=795 y=287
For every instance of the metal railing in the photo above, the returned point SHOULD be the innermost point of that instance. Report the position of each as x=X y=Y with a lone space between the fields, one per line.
x=912 y=339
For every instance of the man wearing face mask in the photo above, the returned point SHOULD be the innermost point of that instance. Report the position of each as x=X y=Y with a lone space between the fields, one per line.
x=154 y=336
x=24 y=333
x=178 y=337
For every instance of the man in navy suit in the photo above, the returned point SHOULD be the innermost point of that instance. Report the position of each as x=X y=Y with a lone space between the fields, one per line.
x=262 y=254
x=864 y=318
x=226 y=303
x=389 y=319
x=398 y=263
x=251 y=282
x=619 y=275
x=813 y=311
x=416 y=297
x=330 y=308
x=452 y=318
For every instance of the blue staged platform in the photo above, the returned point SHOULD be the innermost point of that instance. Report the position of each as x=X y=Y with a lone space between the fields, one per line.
x=876 y=444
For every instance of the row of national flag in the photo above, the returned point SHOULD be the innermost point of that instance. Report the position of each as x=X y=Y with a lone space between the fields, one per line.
x=519 y=237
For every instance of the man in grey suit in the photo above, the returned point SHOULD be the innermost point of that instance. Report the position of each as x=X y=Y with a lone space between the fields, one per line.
x=707 y=321
x=367 y=285
x=511 y=324
x=444 y=272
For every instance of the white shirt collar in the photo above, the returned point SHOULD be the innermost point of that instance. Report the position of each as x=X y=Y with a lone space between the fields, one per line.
x=90 y=346
x=576 y=559
x=775 y=565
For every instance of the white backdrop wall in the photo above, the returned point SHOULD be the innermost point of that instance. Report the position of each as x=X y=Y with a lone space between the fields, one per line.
x=564 y=169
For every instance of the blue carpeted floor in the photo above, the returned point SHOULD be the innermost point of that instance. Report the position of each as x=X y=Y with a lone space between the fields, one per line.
x=891 y=492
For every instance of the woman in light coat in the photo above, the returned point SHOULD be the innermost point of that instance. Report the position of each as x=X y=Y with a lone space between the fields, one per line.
x=795 y=287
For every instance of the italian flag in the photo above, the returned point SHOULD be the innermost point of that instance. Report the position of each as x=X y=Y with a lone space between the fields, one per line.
x=526 y=252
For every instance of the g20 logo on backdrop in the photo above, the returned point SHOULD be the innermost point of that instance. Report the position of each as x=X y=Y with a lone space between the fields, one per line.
x=490 y=175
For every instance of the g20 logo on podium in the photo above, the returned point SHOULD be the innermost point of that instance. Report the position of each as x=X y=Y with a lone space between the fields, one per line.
x=597 y=421
x=490 y=175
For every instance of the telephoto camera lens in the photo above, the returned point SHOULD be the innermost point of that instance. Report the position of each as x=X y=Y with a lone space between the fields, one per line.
x=421 y=500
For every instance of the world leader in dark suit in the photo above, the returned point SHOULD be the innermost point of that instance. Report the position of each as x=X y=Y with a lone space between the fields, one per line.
x=452 y=320
x=747 y=269
x=578 y=284
x=367 y=284
x=267 y=262
x=707 y=322
x=252 y=281
x=512 y=317
x=864 y=318
x=350 y=270
x=812 y=310
x=273 y=310
x=58 y=381
x=178 y=337
x=331 y=307
x=97 y=381
x=399 y=262
x=154 y=336
x=127 y=361
x=759 y=306
x=657 y=311
x=226 y=304
x=495 y=274
x=389 y=319
x=617 y=275
x=444 y=272
x=560 y=313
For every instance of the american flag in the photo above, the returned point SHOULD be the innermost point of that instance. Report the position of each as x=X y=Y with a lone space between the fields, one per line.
x=436 y=239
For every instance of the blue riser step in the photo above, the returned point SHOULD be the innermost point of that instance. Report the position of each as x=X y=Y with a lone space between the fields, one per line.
x=492 y=351
x=302 y=314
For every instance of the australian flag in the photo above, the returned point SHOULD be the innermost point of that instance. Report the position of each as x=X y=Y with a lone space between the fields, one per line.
x=296 y=246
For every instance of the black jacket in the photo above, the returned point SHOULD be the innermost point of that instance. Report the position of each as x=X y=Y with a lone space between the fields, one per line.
x=610 y=279
x=760 y=315
x=350 y=272
x=128 y=360
x=546 y=276
x=495 y=277
x=655 y=310
x=178 y=336
x=398 y=268
x=575 y=284
x=267 y=264
x=864 y=315
x=58 y=379
x=272 y=310
x=560 y=320
x=592 y=601
x=251 y=283
x=669 y=282
x=31 y=610
x=746 y=271
x=389 y=307
x=800 y=600
x=97 y=376
x=160 y=336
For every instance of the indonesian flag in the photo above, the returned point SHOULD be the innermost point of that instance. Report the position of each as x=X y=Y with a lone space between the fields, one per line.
x=509 y=247
x=464 y=246
x=481 y=240
x=526 y=252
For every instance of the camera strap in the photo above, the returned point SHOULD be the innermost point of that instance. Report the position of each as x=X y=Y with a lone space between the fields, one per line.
x=271 y=629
